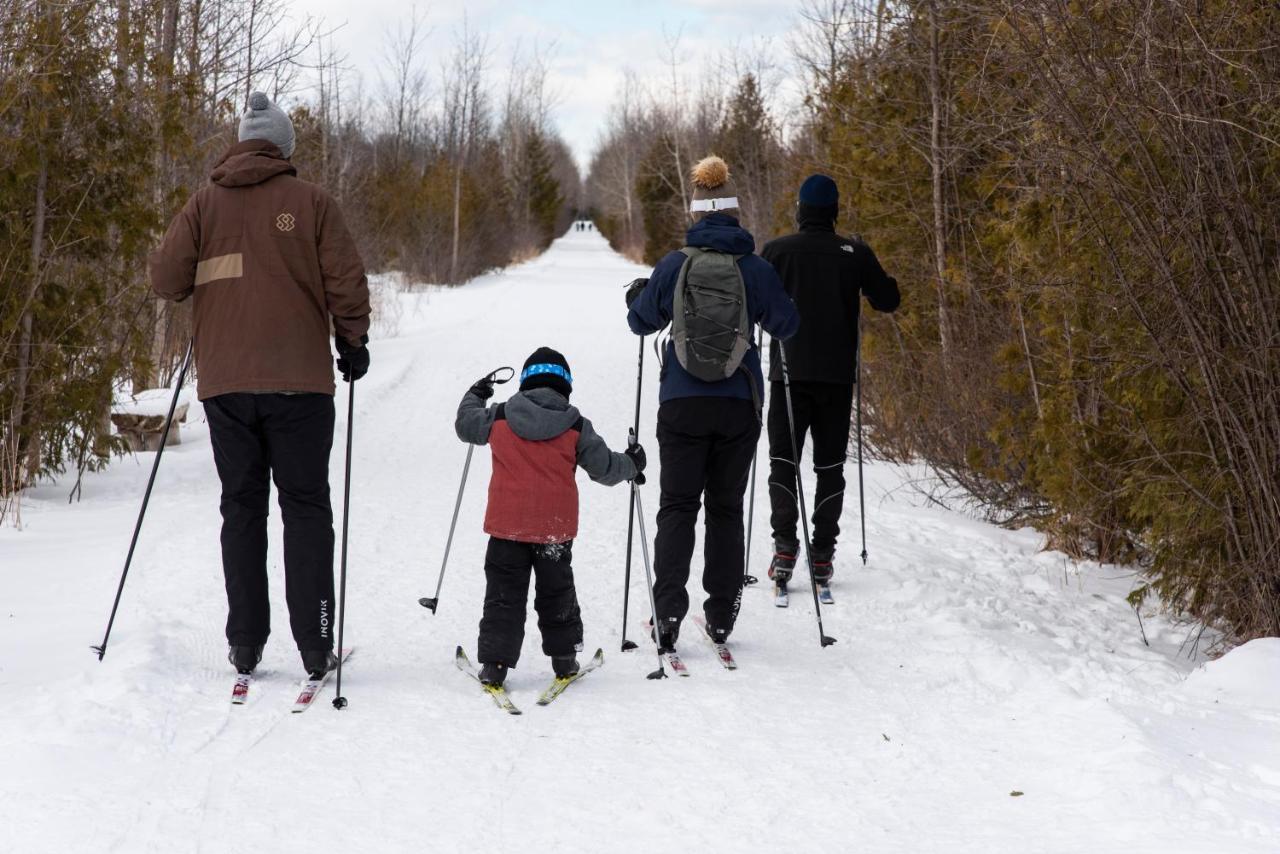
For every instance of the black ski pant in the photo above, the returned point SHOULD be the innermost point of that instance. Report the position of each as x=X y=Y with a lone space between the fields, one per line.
x=507 y=567
x=821 y=410
x=285 y=437
x=705 y=445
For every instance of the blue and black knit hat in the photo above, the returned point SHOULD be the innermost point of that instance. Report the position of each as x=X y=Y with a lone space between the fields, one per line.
x=546 y=368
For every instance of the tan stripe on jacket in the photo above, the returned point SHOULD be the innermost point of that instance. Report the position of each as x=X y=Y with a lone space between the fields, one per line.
x=222 y=267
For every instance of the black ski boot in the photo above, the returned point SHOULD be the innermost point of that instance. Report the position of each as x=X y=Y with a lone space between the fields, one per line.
x=318 y=662
x=245 y=658
x=493 y=673
x=783 y=563
x=823 y=566
x=667 y=636
x=564 y=665
x=717 y=634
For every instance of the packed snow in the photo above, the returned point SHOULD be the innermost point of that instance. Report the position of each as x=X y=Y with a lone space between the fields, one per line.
x=984 y=695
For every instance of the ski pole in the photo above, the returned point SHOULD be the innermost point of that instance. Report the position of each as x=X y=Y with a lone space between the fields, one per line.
x=339 y=701
x=628 y=645
x=101 y=650
x=661 y=672
x=747 y=577
x=804 y=519
x=862 y=497
x=431 y=602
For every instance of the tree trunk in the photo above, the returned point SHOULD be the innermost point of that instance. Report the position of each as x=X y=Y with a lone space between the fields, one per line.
x=457 y=222
x=164 y=86
x=24 y=441
x=936 y=166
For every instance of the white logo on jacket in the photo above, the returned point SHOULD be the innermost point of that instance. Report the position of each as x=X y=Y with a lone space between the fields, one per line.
x=285 y=222
x=847 y=247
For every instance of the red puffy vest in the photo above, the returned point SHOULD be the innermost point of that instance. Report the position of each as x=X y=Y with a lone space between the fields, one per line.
x=533 y=493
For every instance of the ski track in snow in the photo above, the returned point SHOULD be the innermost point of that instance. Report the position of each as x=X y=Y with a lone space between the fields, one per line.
x=969 y=664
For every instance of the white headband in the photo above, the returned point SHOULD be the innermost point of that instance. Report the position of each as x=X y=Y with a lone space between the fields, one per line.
x=698 y=205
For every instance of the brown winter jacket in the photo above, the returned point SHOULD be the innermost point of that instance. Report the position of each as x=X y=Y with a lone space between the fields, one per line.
x=269 y=260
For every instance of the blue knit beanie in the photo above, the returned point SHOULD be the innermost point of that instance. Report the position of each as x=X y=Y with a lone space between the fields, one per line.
x=819 y=191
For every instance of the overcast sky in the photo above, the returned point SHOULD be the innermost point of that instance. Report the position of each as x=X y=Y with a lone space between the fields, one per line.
x=593 y=43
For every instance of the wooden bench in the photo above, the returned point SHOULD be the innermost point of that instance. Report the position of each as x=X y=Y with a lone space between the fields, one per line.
x=141 y=421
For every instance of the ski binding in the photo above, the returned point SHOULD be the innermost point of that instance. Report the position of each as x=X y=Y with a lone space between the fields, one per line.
x=312 y=687
x=722 y=650
x=560 y=683
x=497 y=693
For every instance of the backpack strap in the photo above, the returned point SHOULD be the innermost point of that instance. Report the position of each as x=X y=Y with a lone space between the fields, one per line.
x=500 y=412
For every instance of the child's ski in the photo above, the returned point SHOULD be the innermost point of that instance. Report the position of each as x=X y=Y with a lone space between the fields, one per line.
x=240 y=693
x=557 y=686
x=722 y=650
x=499 y=694
x=312 y=687
x=672 y=659
x=780 y=598
x=824 y=594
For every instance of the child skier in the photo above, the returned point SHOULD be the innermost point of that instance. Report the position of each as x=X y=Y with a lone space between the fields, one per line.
x=538 y=440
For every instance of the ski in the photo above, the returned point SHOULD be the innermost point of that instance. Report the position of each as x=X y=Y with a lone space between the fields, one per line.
x=676 y=663
x=500 y=697
x=557 y=686
x=311 y=688
x=722 y=650
x=824 y=594
x=672 y=659
x=240 y=693
x=780 y=597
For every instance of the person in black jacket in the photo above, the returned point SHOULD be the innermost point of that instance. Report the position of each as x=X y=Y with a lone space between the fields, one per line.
x=824 y=274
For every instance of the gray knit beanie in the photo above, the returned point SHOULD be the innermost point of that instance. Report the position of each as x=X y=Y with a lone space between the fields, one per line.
x=264 y=120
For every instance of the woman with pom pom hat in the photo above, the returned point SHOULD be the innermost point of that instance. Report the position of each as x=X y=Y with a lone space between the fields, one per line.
x=707 y=430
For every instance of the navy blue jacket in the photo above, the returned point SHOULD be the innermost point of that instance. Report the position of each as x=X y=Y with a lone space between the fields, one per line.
x=767 y=304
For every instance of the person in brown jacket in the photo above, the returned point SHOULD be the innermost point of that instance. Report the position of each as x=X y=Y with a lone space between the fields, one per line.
x=269 y=262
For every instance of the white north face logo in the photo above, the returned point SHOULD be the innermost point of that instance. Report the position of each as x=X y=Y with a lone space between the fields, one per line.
x=285 y=222
x=847 y=248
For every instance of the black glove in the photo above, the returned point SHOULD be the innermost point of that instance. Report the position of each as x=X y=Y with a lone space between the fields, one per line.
x=353 y=361
x=634 y=290
x=636 y=455
x=483 y=389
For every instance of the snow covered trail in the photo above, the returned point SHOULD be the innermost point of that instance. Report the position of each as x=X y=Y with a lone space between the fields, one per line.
x=970 y=666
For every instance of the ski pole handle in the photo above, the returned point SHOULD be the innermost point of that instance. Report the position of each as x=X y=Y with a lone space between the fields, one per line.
x=497 y=376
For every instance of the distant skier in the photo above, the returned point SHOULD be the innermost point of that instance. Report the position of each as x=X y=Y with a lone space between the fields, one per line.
x=825 y=274
x=538 y=441
x=270 y=262
x=707 y=428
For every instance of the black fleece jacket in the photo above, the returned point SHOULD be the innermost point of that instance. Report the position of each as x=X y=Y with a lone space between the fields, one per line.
x=824 y=274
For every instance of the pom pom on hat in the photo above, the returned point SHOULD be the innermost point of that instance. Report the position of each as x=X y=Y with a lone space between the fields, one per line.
x=710 y=173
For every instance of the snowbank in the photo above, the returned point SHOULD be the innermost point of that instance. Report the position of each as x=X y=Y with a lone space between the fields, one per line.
x=1247 y=677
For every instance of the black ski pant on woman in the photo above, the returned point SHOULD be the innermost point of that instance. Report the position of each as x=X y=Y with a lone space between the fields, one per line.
x=285 y=437
x=822 y=410
x=706 y=445
x=507 y=567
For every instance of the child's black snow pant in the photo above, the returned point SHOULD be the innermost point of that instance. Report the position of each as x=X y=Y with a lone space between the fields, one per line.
x=823 y=410
x=507 y=566
x=706 y=445
x=255 y=438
